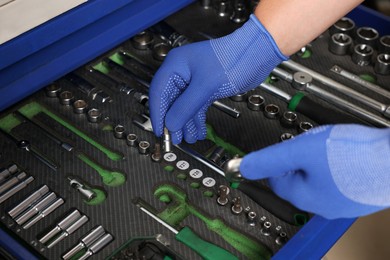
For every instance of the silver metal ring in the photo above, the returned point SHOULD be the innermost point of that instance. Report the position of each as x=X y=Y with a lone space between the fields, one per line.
x=80 y=106
x=94 y=115
x=256 y=102
x=271 y=111
x=132 y=140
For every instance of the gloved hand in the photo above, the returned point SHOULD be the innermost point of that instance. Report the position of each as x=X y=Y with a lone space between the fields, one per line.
x=340 y=171
x=195 y=75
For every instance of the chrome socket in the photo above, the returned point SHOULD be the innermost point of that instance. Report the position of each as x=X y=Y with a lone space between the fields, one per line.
x=160 y=51
x=94 y=115
x=52 y=90
x=66 y=98
x=142 y=41
x=239 y=97
x=344 y=25
x=281 y=239
x=266 y=228
x=80 y=106
x=251 y=218
x=132 y=140
x=119 y=132
x=367 y=35
x=237 y=207
x=384 y=44
x=143 y=147
x=256 y=102
x=340 y=44
x=304 y=127
x=223 y=192
x=382 y=64
x=271 y=111
x=289 y=119
x=362 y=54
x=286 y=136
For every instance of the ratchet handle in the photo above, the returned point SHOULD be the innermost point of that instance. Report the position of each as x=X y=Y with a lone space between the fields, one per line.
x=277 y=206
x=321 y=114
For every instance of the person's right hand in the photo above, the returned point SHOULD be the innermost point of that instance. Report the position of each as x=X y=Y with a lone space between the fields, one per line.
x=193 y=76
x=340 y=171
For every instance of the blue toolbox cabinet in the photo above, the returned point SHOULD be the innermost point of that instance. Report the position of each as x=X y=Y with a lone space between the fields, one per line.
x=42 y=55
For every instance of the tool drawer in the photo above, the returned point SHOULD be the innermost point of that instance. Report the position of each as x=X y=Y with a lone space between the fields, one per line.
x=82 y=175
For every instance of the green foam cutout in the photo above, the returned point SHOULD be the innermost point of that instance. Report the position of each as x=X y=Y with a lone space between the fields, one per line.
x=169 y=168
x=181 y=176
x=165 y=198
x=117 y=180
x=208 y=193
x=117 y=58
x=368 y=77
x=195 y=185
x=99 y=199
x=8 y=122
x=102 y=68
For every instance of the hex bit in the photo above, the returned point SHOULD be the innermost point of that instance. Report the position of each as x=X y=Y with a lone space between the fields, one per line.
x=27 y=202
x=15 y=189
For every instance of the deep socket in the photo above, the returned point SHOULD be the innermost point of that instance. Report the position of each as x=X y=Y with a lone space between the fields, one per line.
x=382 y=64
x=362 y=54
x=132 y=140
x=384 y=44
x=27 y=202
x=340 y=44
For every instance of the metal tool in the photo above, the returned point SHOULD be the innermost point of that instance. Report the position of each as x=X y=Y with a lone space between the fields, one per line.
x=281 y=239
x=217 y=155
x=69 y=230
x=101 y=75
x=53 y=90
x=367 y=35
x=364 y=83
x=384 y=44
x=97 y=246
x=251 y=218
x=4 y=173
x=15 y=189
x=87 y=88
x=306 y=82
x=61 y=226
x=143 y=147
x=362 y=54
x=304 y=127
x=237 y=207
x=36 y=207
x=344 y=25
x=266 y=228
x=142 y=40
x=240 y=97
x=340 y=44
x=94 y=115
x=119 y=132
x=146 y=124
x=85 y=242
x=286 y=136
x=377 y=106
x=186 y=236
x=12 y=181
x=68 y=147
x=58 y=202
x=25 y=145
x=132 y=140
x=66 y=98
x=231 y=111
x=223 y=192
x=80 y=106
x=382 y=64
x=27 y=202
x=84 y=190
x=167 y=143
x=156 y=155
x=160 y=51
x=272 y=111
x=289 y=119
x=256 y=102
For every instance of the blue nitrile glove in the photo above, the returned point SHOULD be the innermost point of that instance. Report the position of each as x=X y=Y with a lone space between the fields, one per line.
x=340 y=171
x=195 y=75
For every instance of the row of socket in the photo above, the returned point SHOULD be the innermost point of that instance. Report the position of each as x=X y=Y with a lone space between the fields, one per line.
x=251 y=216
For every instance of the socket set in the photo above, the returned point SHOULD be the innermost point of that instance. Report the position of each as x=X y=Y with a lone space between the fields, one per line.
x=88 y=137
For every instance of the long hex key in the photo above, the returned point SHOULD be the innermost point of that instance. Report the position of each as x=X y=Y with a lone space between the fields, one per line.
x=374 y=104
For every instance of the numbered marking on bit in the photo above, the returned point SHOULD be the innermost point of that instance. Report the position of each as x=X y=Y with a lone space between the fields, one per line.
x=208 y=182
x=196 y=173
x=182 y=165
x=170 y=157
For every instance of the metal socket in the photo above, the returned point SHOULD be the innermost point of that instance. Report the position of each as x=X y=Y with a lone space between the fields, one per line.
x=281 y=239
x=160 y=51
x=289 y=119
x=304 y=127
x=362 y=54
x=240 y=97
x=237 y=207
x=119 y=132
x=52 y=90
x=384 y=44
x=266 y=229
x=256 y=102
x=271 y=111
x=223 y=192
x=132 y=140
x=340 y=44
x=251 y=218
x=12 y=181
x=94 y=115
x=301 y=80
x=344 y=25
x=367 y=35
x=80 y=106
x=382 y=64
x=156 y=155
x=142 y=41
x=286 y=136
x=27 y=202
x=66 y=98
x=143 y=147
x=217 y=155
